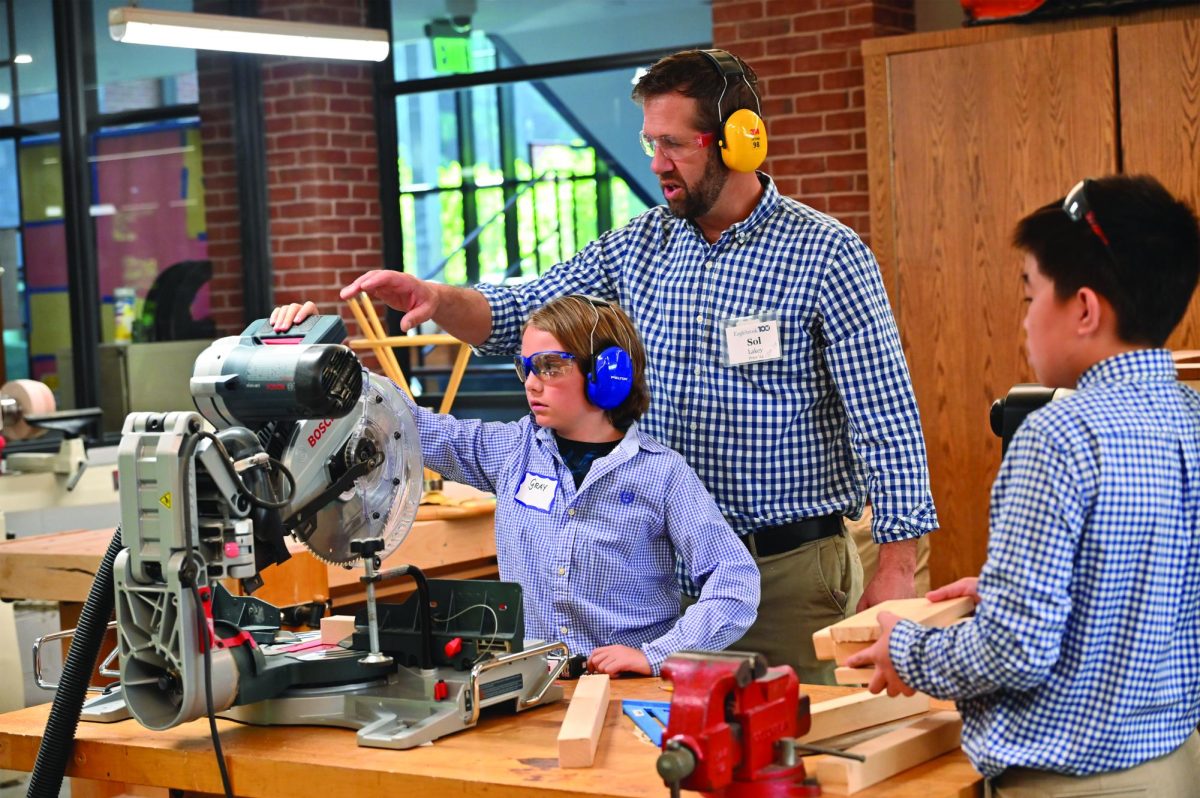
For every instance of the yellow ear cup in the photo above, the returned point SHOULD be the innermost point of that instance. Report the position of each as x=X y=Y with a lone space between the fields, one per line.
x=744 y=141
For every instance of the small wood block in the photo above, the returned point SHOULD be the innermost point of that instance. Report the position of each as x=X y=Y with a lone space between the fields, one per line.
x=890 y=753
x=865 y=625
x=844 y=651
x=336 y=628
x=850 y=713
x=853 y=676
x=823 y=643
x=580 y=732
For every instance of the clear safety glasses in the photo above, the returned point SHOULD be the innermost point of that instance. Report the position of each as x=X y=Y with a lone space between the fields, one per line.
x=549 y=366
x=671 y=149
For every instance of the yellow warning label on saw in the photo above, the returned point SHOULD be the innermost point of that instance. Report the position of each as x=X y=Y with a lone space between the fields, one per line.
x=165 y=500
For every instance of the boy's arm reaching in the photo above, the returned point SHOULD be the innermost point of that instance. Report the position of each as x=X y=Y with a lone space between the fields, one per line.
x=1015 y=638
x=718 y=561
x=464 y=450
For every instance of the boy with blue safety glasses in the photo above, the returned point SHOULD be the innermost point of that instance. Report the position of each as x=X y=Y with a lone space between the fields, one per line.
x=1080 y=673
x=590 y=511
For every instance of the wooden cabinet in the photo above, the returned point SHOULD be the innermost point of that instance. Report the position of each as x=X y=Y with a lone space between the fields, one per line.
x=968 y=131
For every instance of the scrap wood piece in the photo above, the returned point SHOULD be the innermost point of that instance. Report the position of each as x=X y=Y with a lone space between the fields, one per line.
x=580 y=732
x=888 y=754
x=336 y=628
x=823 y=644
x=851 y=713
x=865 y=625
x=853 y=676
x=844 y=651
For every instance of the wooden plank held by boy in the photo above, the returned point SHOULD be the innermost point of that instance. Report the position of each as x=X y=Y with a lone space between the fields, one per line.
x=858 y=632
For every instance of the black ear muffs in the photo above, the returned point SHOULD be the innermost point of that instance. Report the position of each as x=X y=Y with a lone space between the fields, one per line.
x=742 y=136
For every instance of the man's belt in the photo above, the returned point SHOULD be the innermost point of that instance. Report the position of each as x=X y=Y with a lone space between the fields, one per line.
x=773 y=540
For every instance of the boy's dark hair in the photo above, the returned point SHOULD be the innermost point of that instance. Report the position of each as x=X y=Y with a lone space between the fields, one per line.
x=1149 y=269
x=692 y=74
x=578 y=322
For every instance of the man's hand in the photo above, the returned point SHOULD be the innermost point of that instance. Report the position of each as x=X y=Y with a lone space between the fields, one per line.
x=615 y=660
x=967 y=586
x=879 y=658
x=399 y=291
x=284 y=316
x=894 y=577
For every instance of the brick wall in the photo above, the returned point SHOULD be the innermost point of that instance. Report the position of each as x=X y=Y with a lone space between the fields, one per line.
x=807 y=56
x=321 y=160
x=322 y=169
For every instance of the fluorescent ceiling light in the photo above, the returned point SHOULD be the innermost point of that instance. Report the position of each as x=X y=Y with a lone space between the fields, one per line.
x=23 y=58
x=246 y=34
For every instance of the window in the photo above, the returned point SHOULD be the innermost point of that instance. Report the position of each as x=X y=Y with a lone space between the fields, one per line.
x=146 y=205
x=516 y=140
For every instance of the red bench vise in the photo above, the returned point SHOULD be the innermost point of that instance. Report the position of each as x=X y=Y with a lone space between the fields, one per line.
x=732 y=727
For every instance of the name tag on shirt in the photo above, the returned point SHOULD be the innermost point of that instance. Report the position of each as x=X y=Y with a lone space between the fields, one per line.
x=751 y=339
x=537 y=492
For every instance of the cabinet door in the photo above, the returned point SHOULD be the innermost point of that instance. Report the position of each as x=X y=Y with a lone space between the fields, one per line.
x=1160 y=120
x=980 y=136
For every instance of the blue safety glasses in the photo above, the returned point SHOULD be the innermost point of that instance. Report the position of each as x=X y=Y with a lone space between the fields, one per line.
x=547 y=365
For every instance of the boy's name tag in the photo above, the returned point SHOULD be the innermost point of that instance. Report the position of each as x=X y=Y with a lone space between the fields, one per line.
x=537 y=492
x=751 y=339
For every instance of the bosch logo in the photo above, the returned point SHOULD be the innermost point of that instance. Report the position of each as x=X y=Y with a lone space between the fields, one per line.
x=319 y=431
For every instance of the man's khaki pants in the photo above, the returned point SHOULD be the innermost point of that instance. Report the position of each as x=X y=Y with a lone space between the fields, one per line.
x=803 y=590
x=1175 y=775
x=868 y=552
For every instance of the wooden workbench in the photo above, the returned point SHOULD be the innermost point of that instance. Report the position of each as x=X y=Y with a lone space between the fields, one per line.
x=505 y=756
x=61 y=566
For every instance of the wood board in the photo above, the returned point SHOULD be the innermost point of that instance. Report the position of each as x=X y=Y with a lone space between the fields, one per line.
x=891 y=753
x=865 y=625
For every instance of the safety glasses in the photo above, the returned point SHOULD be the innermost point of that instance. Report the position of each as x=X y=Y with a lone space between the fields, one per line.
x=549 y=366
x=1077 y=208
x=671 y=149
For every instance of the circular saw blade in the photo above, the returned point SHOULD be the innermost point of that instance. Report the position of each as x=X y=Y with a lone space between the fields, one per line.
x=383 y=502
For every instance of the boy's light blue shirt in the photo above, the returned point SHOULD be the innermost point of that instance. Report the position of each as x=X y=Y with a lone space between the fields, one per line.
x=597 y=565
x=1084 y=654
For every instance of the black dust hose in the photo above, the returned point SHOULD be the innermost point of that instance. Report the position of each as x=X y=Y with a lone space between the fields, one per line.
x=59 y=738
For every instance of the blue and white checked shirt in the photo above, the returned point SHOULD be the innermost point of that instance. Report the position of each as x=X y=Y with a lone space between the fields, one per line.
x=774 y=441
x=598 y=568
x=1084 y=654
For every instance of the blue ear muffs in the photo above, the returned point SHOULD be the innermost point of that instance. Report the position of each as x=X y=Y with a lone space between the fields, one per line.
x=611 y=378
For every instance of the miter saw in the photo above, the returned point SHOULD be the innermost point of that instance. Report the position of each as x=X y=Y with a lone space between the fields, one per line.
x=309 y=444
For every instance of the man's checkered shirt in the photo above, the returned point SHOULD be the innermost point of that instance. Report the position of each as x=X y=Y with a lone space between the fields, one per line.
x=1084 y=654
x=813 y=433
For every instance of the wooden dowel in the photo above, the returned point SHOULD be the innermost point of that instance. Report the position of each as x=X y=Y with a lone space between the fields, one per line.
x=378 y=347
x=456 y=378
x=380 y=334
x=415 y=340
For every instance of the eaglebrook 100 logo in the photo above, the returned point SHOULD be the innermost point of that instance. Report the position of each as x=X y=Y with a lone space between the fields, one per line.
x=321 y=429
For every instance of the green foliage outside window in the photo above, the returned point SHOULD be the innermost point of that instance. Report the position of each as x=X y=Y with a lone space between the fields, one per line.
x=556 y=216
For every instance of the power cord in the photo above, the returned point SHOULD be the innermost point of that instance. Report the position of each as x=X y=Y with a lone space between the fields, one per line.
x=465 y=610
x=186 y=455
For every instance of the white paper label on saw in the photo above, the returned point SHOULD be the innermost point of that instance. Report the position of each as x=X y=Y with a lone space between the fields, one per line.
x=537 y=491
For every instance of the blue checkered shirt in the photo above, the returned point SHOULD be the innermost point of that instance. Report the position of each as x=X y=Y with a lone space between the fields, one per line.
x=597 y=566
x=1084 y=653
x=811 y=434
